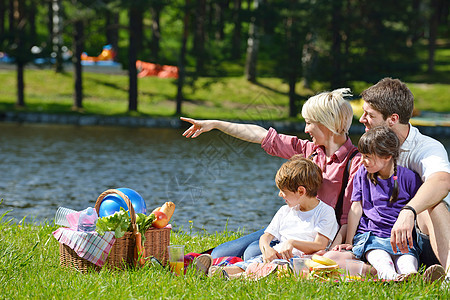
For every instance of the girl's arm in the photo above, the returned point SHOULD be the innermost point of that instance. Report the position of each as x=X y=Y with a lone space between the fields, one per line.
x=268 y=253
x=354 y=216
x=308 y=247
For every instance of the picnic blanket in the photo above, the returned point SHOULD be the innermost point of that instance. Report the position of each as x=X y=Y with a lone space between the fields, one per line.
x=88 y=245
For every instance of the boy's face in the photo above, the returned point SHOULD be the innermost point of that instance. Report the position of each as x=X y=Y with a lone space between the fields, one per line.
x=291 y=198
x=371 y=117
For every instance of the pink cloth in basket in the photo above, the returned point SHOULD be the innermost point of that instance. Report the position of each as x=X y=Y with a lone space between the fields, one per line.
x=90 y=246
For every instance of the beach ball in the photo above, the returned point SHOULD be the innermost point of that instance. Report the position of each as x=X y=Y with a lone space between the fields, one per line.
x=113 y=202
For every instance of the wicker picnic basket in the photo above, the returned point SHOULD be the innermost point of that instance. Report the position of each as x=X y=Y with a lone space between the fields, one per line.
x=121 y=255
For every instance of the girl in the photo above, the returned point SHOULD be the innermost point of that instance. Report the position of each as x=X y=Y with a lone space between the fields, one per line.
x=380 y=190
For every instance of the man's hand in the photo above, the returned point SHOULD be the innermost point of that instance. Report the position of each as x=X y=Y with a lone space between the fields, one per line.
x=197 y=128
x=401 y=234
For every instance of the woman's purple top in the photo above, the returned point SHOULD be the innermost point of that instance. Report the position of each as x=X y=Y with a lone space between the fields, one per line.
x=379 y=215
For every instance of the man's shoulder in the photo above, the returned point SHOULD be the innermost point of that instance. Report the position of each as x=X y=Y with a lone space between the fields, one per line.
x=416 y=138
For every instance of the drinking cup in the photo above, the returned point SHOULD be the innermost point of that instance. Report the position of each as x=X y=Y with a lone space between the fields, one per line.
x=176 y=258
x=354 y=268
x=299 y=265
x=61 y=216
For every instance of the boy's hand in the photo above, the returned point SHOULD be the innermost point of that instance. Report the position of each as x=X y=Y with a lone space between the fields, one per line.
x=286 y=249
x=342 y=247
x=270 y=254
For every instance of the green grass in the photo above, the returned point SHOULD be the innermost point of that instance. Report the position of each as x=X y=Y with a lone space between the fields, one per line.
x=29 y=268
x=207 y=97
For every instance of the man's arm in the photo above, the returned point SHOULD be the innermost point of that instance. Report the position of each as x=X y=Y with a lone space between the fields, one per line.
x=433 y=190
x=247 y=132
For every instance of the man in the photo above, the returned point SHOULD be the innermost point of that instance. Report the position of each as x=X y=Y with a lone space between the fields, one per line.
x=390 y=103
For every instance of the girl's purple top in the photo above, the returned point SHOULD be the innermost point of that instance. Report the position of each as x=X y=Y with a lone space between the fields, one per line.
x=379 y=215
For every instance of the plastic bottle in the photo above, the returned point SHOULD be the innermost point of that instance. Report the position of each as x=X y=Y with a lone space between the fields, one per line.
x=87 y=220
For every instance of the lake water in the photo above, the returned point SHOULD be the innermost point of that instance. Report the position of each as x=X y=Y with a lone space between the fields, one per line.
x=214 y=180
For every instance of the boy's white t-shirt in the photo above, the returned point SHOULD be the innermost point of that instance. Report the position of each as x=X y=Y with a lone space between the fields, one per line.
x=292 y=223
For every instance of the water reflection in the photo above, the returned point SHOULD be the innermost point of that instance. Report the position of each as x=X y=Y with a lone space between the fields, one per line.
x=214 y=179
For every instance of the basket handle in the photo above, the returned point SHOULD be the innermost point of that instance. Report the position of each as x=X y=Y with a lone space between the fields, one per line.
x=127 y=201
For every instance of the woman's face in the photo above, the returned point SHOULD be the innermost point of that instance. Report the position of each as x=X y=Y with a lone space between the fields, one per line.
x=318 y=132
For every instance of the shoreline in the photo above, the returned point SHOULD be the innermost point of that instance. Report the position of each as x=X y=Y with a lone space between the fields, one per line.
x=172 y=122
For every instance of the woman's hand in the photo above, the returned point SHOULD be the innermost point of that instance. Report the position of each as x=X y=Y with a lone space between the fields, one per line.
x=342 y=247
x=197 y=128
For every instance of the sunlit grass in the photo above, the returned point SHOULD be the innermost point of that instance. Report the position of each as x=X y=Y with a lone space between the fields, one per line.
x=29 y=268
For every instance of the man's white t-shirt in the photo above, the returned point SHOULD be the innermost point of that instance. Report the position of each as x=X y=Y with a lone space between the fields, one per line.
x=292 y=223
x=424 y=155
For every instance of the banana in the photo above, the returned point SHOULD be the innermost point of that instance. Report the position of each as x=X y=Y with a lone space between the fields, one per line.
x=323 y=260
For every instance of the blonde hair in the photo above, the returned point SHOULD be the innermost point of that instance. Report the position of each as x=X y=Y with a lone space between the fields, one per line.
x=331 y=110
x=299 y=171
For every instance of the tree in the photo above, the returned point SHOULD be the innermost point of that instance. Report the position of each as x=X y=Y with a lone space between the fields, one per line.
x=237 y=30
x=199 y=35
x=134 y=17
x=253 y=44
x=182 y=57
x=20 y=44
x=78 y=45
x=155 y=10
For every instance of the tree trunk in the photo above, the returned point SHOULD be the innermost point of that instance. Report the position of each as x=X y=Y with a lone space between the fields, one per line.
x=156 y=31
x=19 y=29
x=293 y=61
x=132 y=57
x=220 y=8
x=112 y=31
x=252 y=45
x=57 y=34
x=32 y=10
x=433 y=23
x=199 y=36
x=20 y=85
x=2 y=19
x=11 y=14
x=237 y=30
x=182 y=59
x=336 y=19
x=49 y=25
x=78 y=78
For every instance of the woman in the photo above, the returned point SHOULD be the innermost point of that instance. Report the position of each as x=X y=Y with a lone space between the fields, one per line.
x=328 y=117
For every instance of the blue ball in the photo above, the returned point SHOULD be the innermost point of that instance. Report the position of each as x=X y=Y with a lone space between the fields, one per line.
x=113 y=202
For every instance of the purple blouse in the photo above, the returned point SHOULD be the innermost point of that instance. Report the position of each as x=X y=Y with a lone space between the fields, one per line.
x=379 y=215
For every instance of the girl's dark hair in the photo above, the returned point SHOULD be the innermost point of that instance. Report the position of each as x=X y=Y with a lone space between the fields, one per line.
x=382 y=142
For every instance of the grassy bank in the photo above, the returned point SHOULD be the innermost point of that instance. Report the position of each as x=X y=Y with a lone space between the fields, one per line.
x=29 y=268
x=222 y=98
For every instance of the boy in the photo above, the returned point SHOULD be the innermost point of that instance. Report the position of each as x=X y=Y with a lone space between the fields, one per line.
x=304 y=225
